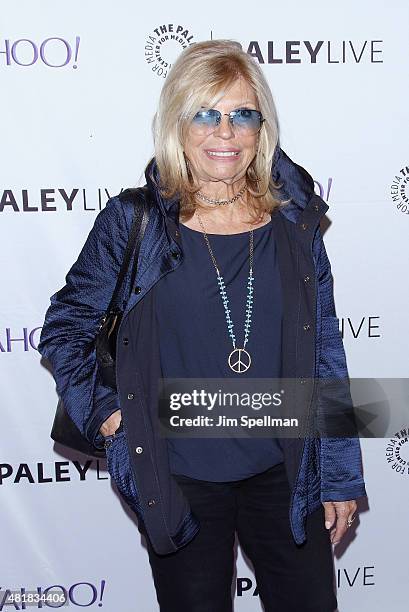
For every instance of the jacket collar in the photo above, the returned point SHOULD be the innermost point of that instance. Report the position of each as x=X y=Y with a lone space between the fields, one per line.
x=293 y=180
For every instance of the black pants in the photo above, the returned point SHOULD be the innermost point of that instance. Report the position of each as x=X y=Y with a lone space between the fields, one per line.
x=290 y=577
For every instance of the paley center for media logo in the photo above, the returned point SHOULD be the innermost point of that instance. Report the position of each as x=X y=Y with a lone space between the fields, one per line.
x=53 y=52
x=397 y=452
x=164 y=44
x=400 y=190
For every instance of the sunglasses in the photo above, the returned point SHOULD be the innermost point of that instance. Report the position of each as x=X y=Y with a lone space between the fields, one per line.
x=244 y=121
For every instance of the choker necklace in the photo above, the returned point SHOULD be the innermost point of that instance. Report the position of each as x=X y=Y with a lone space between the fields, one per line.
x=211 y=201
x=239 y=359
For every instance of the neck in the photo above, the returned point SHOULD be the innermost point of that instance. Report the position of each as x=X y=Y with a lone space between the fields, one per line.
x=219 y=190
x=228 y=214
x=222 y=202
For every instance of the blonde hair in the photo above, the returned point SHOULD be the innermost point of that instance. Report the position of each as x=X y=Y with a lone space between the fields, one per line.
x=204 y=71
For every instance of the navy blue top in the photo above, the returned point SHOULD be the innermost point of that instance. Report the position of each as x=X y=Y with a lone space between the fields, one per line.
x=194 y=340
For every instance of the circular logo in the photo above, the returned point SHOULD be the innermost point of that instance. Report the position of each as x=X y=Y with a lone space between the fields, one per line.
x=397 y=452
x=239 y=360
x=400 y=190
x=163 y=46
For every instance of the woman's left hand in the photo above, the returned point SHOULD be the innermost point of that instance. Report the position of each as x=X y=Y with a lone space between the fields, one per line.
x=341 y=512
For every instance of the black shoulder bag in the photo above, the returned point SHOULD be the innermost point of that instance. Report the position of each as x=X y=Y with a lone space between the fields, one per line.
x=64 y=431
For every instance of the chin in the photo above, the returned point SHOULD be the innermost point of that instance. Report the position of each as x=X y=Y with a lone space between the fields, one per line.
x=225 y=174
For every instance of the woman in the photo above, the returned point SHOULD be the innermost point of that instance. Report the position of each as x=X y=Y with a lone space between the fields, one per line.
x=233 y=281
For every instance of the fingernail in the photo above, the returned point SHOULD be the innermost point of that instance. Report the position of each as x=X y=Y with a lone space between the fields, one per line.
x=328 y=524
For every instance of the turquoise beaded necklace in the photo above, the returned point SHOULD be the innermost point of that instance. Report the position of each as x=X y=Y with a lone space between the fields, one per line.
x=239 y=359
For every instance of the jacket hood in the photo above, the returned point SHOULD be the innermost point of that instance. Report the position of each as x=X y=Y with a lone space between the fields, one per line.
x=293 y=180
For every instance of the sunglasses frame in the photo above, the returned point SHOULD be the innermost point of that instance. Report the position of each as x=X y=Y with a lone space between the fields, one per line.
x=231 y=116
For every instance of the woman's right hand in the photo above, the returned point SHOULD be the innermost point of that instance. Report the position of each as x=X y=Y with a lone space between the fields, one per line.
x=111 y=424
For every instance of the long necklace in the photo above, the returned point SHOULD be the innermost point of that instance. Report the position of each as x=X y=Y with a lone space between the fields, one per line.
x=239 y=359
x=202 y=196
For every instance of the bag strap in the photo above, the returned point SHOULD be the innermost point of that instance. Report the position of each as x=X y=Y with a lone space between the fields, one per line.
x=147 y=204
x=139 y=223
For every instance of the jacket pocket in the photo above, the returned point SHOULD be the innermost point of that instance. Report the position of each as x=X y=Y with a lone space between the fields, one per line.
x=119 y=468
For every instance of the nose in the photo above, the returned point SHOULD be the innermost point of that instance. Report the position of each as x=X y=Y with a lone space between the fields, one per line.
x=224 y=129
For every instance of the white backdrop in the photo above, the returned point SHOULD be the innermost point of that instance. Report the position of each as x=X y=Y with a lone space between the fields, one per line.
x=79 y=86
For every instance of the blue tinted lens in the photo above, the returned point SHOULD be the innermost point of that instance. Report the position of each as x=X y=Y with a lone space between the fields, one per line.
x=247 y=119
x=207 y=118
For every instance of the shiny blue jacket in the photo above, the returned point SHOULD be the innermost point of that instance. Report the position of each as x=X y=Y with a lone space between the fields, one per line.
x=318 y=469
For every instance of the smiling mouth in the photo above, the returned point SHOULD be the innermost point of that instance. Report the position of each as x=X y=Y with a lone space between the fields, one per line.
x=223 y=153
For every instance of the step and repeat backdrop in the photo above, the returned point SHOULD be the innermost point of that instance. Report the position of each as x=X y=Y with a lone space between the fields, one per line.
x=79 y=86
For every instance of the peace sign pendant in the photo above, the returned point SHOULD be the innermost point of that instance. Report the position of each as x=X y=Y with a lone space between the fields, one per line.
x=239 y=360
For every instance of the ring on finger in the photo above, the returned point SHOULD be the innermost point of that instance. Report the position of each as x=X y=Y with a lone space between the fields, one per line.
x=350 y=521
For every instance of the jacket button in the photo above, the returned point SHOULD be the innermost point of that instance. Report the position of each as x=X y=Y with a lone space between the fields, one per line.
x=316 y=207
x=125 y=341
x=131 y=395
x=303 y=381
x=137 y=289
x=151 y=502
x=175 y=254
x=306 y=278
x=139 y=450
x=177 y=233
x=307 y=326
x=304 y=226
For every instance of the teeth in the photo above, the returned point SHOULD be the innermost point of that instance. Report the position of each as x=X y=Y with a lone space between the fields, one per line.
x=222 y=154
